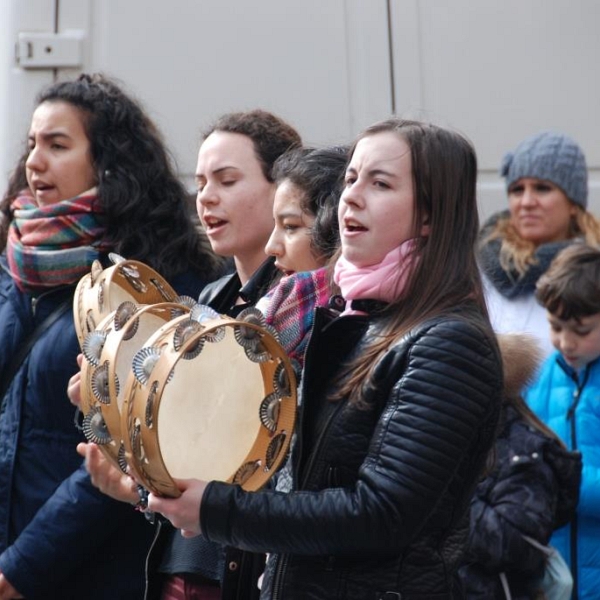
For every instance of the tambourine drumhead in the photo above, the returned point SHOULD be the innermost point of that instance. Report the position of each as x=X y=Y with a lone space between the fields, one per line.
x=102 y=290
x=108 y=354
x=201 y=405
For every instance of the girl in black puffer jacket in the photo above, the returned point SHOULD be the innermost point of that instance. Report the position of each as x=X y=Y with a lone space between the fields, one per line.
x=532 y=490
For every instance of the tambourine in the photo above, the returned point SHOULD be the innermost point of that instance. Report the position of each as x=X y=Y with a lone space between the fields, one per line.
x=108 y=353
x=101 y=291
x=210 y=398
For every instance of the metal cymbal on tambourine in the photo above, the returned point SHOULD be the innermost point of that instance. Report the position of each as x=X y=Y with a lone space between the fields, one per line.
x=209 y=397
x=101 y=291
x=171 y=389
x=108 y=352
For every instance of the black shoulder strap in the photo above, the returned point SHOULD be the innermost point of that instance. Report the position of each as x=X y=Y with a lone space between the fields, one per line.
x=26 y=347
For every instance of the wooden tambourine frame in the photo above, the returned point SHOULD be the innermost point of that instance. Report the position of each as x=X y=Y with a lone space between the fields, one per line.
x=101 y=291
x=211 y=398
x=108 y=353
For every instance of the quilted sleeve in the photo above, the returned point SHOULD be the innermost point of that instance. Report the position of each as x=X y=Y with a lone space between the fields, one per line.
x=447 y=387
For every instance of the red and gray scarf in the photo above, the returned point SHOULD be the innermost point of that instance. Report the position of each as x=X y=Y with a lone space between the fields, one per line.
x=53 y=245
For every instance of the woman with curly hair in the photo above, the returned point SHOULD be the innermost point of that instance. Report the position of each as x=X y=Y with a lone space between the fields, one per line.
x=234 y=179
x=546 y=181
x=309 y=183
x=95 y=178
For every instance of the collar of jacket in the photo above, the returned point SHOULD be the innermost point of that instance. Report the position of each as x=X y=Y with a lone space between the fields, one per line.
x=369 y=306
x=261 y=281
x=222 y=295
x=579 y=377
x=337 y=304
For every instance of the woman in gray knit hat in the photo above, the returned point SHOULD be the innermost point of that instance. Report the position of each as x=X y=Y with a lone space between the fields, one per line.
x=546 y=182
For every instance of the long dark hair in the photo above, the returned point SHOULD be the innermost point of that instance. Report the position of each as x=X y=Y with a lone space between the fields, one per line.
x=444 y=171
x=144 y=204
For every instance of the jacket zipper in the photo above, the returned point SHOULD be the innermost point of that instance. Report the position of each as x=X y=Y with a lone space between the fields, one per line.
x=35 y=300
x=316 y=453
x=282 y=560
x=300 y=423
x=278 y=577
x=282 y=563
x=573 y=528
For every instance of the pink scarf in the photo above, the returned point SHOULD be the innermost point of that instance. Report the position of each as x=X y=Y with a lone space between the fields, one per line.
x=384 y=281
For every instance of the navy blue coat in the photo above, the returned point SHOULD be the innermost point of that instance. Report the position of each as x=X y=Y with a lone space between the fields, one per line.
x=59 y=536
x=533 y=489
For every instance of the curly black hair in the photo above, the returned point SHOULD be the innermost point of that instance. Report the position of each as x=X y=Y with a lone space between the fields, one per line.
x=145 y=206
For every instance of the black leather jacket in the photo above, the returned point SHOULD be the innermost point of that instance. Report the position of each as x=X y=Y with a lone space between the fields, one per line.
x=382 y=492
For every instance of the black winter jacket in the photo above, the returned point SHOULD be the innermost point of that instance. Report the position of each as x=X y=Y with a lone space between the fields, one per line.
x=533 y=489
x=382 y=493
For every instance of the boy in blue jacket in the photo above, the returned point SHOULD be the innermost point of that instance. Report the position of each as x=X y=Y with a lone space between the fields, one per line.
x=566 y=396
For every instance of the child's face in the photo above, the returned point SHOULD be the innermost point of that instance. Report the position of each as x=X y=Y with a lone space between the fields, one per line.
x=577 y=340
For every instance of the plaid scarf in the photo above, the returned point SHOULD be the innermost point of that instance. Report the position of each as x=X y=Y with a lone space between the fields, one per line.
x=289 y=307
x=53 y=245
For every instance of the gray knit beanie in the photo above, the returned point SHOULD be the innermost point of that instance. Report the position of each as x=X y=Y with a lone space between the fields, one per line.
x=551 y=156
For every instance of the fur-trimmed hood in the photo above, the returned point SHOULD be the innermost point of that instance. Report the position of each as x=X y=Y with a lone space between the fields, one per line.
x=521 y=357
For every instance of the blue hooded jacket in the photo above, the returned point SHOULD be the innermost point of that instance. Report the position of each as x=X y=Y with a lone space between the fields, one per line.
x=569 y=403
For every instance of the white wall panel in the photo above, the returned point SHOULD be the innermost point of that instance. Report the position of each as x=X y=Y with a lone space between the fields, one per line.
x=324 y=66
x=500 y=71
x=18 y=88
x=369 y=84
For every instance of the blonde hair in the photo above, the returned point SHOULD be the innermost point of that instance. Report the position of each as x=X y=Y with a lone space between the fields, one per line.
x=518 y=254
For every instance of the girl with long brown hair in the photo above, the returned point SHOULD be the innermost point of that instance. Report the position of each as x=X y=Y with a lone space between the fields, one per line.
x=401 y=392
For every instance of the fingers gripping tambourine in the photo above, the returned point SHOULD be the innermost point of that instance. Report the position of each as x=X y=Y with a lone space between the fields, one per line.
x=210 y=398
x=101 y=291
x=108 y=353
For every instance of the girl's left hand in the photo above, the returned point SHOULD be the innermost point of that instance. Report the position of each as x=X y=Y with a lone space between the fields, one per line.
x=183 y=512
